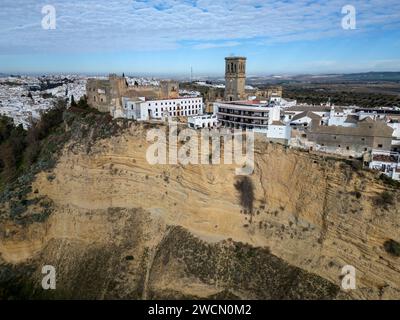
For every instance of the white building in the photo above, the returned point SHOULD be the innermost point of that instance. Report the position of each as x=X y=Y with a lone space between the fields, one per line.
x=141 y=109
x=279 y=132
x=260 y=117
x=304 y=119
x=283 y=103
x=250 y=115
x=396 y=135
x=204 y=121
x=342 y=117
x=292 y=112
x=387 y=162
x=275 y=99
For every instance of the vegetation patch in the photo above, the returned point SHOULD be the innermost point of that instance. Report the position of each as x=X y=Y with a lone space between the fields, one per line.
x=24 y=153
x=339 y=95
x=392 y=247
x=245 y=187
x=389 y=181
x=237 y=267
x=384 y=199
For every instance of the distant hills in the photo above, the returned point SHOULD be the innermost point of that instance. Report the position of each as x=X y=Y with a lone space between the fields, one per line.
x=310 y=78
x=328 y=78
x=373 y=76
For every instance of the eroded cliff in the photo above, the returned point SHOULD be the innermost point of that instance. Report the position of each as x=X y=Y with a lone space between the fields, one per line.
x=122 y=228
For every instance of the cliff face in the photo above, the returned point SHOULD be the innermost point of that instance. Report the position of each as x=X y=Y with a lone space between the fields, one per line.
x=122 y=228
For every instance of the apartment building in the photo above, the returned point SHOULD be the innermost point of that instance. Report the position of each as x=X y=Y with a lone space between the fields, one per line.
x=142 y=110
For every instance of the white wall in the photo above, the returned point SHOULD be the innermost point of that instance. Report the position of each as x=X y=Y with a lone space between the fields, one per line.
x=175 y=107
x=158 y=109
x=302 y=120
x=206 y=121
x=274 y=114
x=279 y=132
x=396 y=127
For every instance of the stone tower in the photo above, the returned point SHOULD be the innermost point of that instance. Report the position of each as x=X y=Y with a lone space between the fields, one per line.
x=235 y=78
x=169 y=89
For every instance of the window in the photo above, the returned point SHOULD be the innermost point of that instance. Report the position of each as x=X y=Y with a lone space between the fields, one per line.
x=380 y=146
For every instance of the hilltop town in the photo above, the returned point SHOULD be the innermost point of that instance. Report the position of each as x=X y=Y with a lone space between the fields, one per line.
x=79 y=193
x=371 y=134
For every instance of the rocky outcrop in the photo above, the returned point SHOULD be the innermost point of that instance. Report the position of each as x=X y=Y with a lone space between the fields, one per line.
x=122 y=228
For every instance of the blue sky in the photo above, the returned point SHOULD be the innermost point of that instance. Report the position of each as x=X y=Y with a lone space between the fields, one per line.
x=167 y=37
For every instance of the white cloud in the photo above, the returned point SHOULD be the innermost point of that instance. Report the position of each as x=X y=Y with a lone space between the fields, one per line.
x=137 y=25
x=211 y=45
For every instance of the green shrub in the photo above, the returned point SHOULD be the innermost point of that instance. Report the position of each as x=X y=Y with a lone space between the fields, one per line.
x=357 y=194
x=392 y=247
x=246 y=189
x=384 y=199
x=389 y=181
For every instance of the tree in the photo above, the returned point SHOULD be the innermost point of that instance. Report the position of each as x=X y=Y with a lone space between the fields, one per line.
x=246 y=191
x=73 y=103
x=82 y=103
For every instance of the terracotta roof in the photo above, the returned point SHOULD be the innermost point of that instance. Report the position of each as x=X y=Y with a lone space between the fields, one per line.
x=385 y=158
